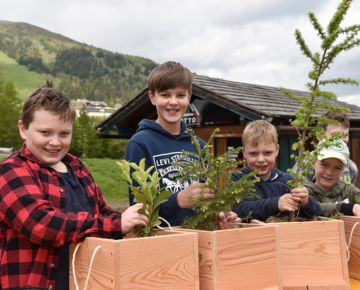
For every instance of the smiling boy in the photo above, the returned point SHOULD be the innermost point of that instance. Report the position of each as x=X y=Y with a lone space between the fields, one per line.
x=162 y=141
x=342 y=128
x=48 y=199
x=335 y=195
x=260 y=149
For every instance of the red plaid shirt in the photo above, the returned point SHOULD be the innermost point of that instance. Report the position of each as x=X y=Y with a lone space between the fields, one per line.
x=33 y=222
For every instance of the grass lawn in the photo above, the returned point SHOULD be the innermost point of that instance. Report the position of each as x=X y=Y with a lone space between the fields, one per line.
x=107 y=176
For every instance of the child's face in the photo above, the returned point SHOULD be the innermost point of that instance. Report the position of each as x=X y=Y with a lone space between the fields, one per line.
x=47 y=137
x=331 y=129
x=327 y=173
x=170 y=105
x=261 y=158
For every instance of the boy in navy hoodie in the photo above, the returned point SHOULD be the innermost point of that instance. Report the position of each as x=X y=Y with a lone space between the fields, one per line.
x=162 y=141
x=260 y=149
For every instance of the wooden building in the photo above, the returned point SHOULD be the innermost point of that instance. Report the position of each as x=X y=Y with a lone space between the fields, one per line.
x=229 y=105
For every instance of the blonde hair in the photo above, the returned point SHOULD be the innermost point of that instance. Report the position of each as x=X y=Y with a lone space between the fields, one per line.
x=259 y=130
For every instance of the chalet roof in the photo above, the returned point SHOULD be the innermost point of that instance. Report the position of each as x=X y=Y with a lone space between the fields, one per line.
x=265 y=100
x=251 y=100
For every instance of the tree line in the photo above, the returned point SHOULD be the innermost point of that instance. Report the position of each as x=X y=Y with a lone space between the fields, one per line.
x=100 y=76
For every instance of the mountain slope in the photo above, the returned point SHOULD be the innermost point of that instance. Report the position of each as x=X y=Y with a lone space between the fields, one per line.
x=81 y=70
x=24 y=80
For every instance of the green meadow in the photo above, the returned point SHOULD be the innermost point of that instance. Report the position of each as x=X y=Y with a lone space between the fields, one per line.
x=107 y=175
x=24 y=80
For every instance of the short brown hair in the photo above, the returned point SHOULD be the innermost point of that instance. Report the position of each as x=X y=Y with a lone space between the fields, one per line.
x=48 y=99
x=169 y=75
x=259 y=130
x=342 y=118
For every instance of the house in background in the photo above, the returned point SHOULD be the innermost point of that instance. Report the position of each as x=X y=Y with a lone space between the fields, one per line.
x=230 y=106
x=93 y=108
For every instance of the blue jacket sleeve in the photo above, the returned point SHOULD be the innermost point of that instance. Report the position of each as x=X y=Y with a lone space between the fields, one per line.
x=263 y=208
x=258 y=209
x=311 y=209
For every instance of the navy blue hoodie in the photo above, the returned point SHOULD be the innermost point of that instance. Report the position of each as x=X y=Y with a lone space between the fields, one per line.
x=161 y=149
x=269 y=192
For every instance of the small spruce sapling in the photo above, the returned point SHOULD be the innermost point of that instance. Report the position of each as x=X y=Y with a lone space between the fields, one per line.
x=334 y=40
x=215 y=173
x=145 y=186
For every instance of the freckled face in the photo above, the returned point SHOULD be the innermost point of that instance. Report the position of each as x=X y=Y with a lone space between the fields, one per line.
x=48 y=137
x=328 y=172
x=262 y=157
x=170 y=105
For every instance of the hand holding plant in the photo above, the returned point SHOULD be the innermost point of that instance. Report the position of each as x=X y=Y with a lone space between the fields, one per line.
x=131 y=218
x=215 y=174
x=187 y=198
x=300 y=195
x=286 y=203
x=145 y=186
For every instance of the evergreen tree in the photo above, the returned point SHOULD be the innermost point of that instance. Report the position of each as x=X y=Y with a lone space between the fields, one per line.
x=334 y=40
x=10 y=113
x=215 y=172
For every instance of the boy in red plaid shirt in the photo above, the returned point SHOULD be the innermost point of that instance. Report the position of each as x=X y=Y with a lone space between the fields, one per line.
x=48 y=199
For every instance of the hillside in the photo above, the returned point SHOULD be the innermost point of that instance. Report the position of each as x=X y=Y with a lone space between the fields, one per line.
x=24 y=80
x=81 y=70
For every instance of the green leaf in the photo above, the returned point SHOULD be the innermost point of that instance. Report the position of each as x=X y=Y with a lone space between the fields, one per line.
x=139 y=197
x=145 y=185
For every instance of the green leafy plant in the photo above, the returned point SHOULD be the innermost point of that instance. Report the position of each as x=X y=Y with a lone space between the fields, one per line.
x=145 y=186
x=334 y=40
x=215 y=173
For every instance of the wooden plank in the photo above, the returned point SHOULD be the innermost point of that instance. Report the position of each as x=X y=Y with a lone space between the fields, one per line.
x=103 y=269
x=350 y=224
x=161 y=262
x=245 y=255
x=313 y=255
x=237 y=258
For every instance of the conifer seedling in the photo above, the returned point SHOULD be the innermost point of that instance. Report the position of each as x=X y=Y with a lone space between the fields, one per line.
x=308 y=121
x=215 y=172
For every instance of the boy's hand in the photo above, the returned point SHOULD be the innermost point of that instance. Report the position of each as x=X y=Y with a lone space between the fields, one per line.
x=301 y=195
x=230 y=217
x=356 y=210
x=187 y=197
x=131 y=218
x=287 y=203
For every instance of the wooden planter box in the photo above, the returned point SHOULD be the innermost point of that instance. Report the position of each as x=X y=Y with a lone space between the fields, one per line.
x=166 y=261
x=313 y=255
x=354 y=262
x=240 y=258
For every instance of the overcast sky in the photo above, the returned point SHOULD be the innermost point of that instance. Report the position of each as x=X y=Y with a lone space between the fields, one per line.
x=241 y=40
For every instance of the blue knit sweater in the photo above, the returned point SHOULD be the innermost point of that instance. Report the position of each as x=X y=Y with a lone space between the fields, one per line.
x=269 y=192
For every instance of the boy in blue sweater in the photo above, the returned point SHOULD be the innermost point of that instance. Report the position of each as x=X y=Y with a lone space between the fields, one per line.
x=260 y=149
x=162 y=141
